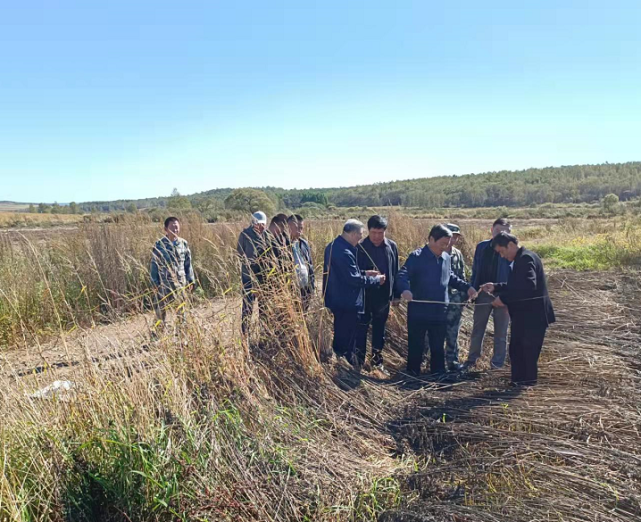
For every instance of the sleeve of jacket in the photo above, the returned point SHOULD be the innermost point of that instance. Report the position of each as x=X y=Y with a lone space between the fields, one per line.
x=242 y=246
x=347 y=264
x=459 y=284
x=310 y=264
x=403 y=276
x=189 y=268
x=154 y=269
x=396 y=266
x=522 y=284
x=476 y=266
x=326 y=262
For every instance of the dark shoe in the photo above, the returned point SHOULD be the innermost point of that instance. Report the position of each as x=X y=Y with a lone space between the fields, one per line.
x=454 y=367
x=413 y=373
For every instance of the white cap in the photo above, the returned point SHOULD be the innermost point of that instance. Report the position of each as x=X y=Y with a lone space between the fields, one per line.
x=259 y=217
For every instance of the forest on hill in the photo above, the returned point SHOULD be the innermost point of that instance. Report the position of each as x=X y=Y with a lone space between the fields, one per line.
x=565 y=184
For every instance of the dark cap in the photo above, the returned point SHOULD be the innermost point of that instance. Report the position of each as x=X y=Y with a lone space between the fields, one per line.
x=455 y=229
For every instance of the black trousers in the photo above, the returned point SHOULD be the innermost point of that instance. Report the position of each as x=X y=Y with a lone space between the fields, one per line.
x=525 y=347
x=250 y=294
x=376 y=315
x=345 y=332
x=417 y=328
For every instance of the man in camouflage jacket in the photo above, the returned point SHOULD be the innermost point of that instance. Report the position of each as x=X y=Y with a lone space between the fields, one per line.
x=455 y=308
x=171 y=268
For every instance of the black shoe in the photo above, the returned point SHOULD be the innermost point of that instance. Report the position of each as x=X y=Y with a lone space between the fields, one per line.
x=454 y=367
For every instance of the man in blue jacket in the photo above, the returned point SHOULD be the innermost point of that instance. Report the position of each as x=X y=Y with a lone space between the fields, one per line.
x=489 y=267
x=344 y=286
x=424 y=281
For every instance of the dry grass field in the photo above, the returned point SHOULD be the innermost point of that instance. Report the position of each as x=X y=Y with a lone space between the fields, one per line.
x=200 y=426
x=13 y=219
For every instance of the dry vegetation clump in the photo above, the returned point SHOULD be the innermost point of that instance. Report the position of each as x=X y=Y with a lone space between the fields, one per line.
x=203 y=428
x=200 y=425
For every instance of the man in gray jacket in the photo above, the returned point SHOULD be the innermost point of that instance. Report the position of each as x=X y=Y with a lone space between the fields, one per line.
x=252 y=244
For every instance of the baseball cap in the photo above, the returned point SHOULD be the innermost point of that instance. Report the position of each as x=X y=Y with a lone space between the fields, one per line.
x=259 y=217
x=454 y=229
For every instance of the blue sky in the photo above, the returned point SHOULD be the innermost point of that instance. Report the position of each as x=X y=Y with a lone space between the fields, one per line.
x=129 y=99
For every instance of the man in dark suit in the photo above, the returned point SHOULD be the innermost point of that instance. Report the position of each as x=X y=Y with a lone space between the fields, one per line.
x=526 y=296
x=376 y=252
x=344 y=286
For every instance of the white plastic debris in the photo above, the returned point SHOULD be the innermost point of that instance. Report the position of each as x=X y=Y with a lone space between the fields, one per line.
x=55 y=389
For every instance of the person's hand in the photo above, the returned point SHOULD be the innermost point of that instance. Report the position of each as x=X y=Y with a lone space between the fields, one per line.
x=407 y=295
x=488 y=288
x=396 y=302
x=497 y=303
x=472 y=293
x=372 y=273
x=382 y=279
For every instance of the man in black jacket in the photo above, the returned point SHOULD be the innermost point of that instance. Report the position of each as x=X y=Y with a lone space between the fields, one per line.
x=526 y=296
x=376 y=252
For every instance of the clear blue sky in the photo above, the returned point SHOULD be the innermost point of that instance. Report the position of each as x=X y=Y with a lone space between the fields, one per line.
x=129 y=99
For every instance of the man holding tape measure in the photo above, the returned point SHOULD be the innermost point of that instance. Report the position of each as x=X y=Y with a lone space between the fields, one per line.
x=423 y=282
x=526 y=296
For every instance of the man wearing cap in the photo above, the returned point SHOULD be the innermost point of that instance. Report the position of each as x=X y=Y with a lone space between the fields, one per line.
x=252 y=244
x=456 y=298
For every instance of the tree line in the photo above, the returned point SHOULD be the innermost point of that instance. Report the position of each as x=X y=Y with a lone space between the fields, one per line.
x=530 y=187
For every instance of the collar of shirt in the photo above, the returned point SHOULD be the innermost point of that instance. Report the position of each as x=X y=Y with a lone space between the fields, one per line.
x=433 y=255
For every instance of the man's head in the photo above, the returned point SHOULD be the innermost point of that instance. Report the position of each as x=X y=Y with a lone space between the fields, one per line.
x=501 y=225
x=296 y=225
x=353 y=231
x=259 y=221
x=439 y=239
x=172 y=227
x=456 y=233
x=506 y=245
x=376 y=226
x=278 y=224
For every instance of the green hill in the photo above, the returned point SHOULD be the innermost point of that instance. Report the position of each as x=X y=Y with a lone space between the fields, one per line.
x=565 y=184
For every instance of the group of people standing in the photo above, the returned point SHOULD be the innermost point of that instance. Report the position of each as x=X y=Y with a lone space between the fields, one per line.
x=363 y=279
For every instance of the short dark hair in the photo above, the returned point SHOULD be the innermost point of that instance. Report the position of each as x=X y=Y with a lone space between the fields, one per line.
x=377 y=222
x=295 y=218
x=170 y=219
x=503 y=239
x=279 y=219
x=502 y=222
x=439 y=232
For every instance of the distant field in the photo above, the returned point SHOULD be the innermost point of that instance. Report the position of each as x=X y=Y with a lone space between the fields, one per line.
x=6 y=206
x=24 y=219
